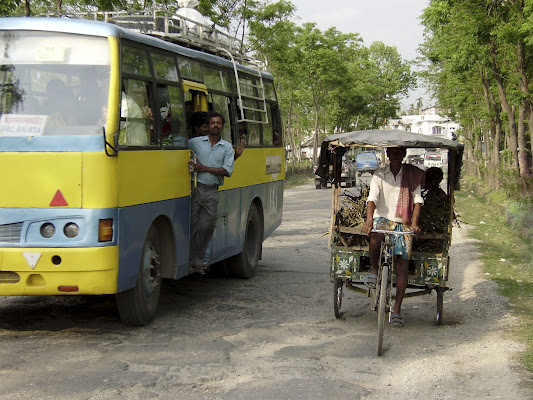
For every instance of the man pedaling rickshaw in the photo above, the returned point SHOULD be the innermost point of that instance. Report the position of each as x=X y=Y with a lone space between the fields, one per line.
x=394 y=203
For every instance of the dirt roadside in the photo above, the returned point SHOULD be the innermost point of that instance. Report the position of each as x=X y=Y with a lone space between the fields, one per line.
x=271 y=337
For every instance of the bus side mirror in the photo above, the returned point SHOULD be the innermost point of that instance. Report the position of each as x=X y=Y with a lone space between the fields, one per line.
x=107 y=145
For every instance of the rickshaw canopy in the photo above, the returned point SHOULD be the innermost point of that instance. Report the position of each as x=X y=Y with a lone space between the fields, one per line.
x=339 y=143
x=391 y=138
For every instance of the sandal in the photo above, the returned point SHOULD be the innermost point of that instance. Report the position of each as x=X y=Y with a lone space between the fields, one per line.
x=197 y=268
x=371 y=280
x=397 y=321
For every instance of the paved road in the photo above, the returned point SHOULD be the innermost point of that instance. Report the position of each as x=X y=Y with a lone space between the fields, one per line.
x=271 y=337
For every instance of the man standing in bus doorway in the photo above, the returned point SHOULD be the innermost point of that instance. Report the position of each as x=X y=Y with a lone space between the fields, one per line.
x=200 y=127
x=214 y=162
x=393 y=203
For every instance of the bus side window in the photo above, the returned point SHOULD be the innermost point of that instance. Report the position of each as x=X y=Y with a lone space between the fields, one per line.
x=221 y=104
x=171 y=117
x=272 y=131
x=135 y=124
x=254 y=134
x=253 y=129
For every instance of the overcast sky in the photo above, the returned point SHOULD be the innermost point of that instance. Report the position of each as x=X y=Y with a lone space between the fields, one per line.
x=393 y=22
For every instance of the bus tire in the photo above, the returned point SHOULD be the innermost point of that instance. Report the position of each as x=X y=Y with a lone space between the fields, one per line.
x=244 y=264
x=137 y=306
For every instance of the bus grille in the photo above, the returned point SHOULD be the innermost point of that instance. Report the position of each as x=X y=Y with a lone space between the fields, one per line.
x=10 y=233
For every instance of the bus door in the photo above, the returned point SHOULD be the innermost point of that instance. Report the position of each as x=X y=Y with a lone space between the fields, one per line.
x=195 y=101
x=229 y=200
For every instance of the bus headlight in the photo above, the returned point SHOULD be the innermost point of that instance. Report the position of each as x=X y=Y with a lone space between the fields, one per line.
x=48 y=230
x=71 y=230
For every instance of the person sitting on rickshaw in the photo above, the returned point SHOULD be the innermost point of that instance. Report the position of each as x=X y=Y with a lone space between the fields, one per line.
x=393 y=203
x=432 y=191
x=435 y=213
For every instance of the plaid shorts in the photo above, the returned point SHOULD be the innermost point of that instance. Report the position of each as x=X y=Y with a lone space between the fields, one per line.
x=401 y=245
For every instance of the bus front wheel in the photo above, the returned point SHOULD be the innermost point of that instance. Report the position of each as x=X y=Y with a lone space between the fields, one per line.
x=138 y=305
x=244 y=265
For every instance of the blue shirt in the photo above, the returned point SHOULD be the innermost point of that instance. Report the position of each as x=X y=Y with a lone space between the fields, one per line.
x=218 y=156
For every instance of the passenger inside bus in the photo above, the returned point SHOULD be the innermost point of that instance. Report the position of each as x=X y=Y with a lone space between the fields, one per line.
x=171 y=127
x=276 y=139
x=59 y=104
x=199 y=124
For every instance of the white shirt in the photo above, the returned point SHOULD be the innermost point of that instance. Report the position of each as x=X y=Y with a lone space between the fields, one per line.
x=384 y=193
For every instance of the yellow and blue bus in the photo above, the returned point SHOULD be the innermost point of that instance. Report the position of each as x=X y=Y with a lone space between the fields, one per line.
x=96 y=191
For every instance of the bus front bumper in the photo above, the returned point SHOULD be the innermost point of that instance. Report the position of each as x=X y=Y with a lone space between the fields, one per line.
x=58 y=271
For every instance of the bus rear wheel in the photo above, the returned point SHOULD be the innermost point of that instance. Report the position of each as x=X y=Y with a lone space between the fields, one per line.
x=138 y=305
x=244 y=264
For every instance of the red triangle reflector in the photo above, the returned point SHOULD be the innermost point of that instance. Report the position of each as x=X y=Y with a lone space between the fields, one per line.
x=58 y=200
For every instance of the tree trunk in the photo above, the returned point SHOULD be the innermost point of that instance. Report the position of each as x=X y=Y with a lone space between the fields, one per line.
x=513 y=143
x=315 y=141
x=521 y=141
x=497 y=132
x=523 y=109
x=27 y=9
x=489 y=140
x=476 y=139
x=290 y=134
x=468 y=152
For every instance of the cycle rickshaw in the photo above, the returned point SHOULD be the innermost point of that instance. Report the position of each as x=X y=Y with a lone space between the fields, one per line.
x=429 y=262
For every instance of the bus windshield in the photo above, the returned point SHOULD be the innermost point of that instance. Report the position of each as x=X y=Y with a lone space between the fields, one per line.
x=53 y=83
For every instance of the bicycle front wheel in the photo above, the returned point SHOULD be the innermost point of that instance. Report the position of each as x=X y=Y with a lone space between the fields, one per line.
x=337 y=297
x=382 y=303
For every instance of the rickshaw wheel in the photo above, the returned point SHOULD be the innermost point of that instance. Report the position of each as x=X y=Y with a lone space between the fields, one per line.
x=440 y=304
x=337 y=296
x=382 y=301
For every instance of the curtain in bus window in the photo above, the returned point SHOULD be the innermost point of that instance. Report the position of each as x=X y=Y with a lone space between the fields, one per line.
x=134 y=61
x=134 y=114
x=221 y=105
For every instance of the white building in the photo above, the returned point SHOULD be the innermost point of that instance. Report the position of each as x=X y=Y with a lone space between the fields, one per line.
x=428 y=122
x=306 y=149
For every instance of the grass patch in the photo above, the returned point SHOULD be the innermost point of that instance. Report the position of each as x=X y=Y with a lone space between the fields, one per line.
x=507 y=258
x=299 y=173
x=297 y=178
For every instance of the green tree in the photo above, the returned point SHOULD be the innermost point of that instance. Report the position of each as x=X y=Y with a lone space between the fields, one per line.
x=8 y=7
x=387 y=78
x=480 y=55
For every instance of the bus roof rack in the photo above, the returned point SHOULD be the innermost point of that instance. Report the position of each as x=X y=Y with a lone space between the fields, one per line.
x=179 y=29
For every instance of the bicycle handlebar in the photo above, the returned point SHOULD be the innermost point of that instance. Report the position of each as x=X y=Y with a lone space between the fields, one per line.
x=393 y=232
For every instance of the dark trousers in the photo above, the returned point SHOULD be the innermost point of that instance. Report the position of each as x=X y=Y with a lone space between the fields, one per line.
x=203 y=221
